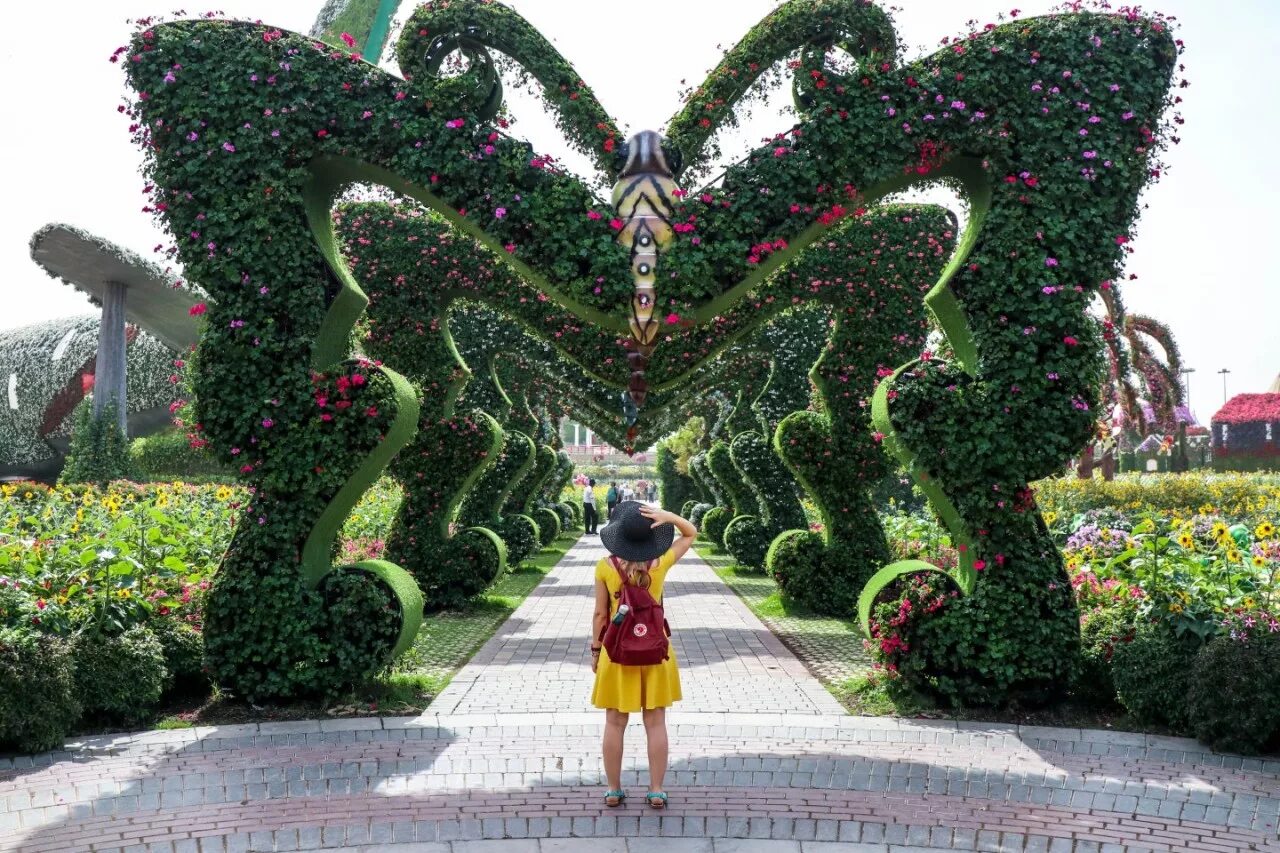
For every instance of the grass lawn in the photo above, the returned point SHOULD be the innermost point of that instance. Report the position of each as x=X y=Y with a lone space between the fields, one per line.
x=446 y=642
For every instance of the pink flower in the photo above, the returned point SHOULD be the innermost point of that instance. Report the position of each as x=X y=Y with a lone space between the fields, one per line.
x=268 y=423
x=979 y=565
x=593 y=215
x=1070 y=341
x=1050 y=262
x=197 y=309
x=672 y=319
x=455 y=123
x=500 y=212
x=227 y=146
x=348 y=39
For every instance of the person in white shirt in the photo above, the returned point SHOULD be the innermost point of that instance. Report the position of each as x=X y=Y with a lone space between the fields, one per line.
x=589 y=517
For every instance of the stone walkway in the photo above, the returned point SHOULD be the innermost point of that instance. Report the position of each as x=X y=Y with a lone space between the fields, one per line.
x=539 y=660
x=506 y=761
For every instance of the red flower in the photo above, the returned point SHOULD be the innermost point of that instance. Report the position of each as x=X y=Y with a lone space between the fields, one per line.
x=197 y=309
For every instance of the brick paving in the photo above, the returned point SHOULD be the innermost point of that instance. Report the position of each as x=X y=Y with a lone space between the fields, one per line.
x=832 y=649
x=496 y=769
x=538 y=661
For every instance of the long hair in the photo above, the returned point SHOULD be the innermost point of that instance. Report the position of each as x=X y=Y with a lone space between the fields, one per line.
x=637 y=573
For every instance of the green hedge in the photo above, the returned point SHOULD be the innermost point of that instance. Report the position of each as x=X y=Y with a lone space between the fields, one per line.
x=39 y=695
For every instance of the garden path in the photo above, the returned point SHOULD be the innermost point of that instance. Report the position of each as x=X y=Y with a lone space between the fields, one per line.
x=507 y=761
x=539 y=660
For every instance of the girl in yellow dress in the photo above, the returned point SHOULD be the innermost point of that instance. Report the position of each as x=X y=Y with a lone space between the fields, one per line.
x=643 y=539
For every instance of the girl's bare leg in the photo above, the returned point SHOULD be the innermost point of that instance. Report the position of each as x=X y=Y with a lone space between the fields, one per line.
x=655 y=729
x=615 y=726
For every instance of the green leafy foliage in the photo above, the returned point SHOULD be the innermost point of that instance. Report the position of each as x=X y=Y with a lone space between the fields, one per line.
x=99 y=450
x=1152 y=674
x=674 y=488
x=484 y=504
x=168 y=455
x=715 y=520
x=1233 y=700
x=548 y=521
x=1101 y=631
x=39 y=700
x=120 y=677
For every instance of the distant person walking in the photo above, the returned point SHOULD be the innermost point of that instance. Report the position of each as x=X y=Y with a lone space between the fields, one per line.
x=611 y=500
x=589 y=517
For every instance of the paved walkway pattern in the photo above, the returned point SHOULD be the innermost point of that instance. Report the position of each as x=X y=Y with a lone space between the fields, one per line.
x=539 y=661
x=497 y=766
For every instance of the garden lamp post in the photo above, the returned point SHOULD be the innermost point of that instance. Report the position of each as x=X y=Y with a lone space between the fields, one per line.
x=1186 y=384
x=1223 y=372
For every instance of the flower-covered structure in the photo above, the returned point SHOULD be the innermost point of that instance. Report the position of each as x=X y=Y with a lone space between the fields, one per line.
x=1145 y=393
x=1048 y=125
x=1246 y=433
x=48 y=368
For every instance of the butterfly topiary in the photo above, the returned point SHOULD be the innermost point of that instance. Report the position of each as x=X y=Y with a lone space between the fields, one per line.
x=1049 y=126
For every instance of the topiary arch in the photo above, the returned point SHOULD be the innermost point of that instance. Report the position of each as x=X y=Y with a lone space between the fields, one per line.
x=1048 y=125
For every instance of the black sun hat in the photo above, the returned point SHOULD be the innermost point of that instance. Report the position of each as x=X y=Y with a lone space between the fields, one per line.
x=632 y=537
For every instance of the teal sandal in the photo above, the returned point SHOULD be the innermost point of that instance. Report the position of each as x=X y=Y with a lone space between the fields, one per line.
x=656 y=799
x=614 y=795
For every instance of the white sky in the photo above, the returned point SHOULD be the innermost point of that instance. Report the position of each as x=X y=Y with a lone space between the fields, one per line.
x=1203 y=247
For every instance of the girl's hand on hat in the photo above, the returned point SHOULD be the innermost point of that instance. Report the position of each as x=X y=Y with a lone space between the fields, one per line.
x=658 y=516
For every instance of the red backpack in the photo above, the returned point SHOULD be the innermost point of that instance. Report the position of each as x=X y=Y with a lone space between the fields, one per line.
x=642 y=637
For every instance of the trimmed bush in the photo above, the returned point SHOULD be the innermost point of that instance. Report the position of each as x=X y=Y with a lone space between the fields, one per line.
x=183 y=657
x=120 y=677
x=38 y=698
x=568 y=519
x=1152 y=675
x=99 y=451
x=699 y=513
x=747 y=538
x=362 y=624
x=714 y=523
x=548 y=522
x=1101 y=630
x=168 y=455
x=521 y=536
x=808 y=570
x=1233 y=703
x=686 y=509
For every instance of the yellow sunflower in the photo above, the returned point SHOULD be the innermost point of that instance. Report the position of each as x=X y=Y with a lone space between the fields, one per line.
x=1259 y=560
x=1187 y=542
x=1233 y=555
x=1265 y=530
x=223 y=493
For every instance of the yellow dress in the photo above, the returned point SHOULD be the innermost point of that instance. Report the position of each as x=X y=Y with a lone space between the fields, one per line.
x=633 y=688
